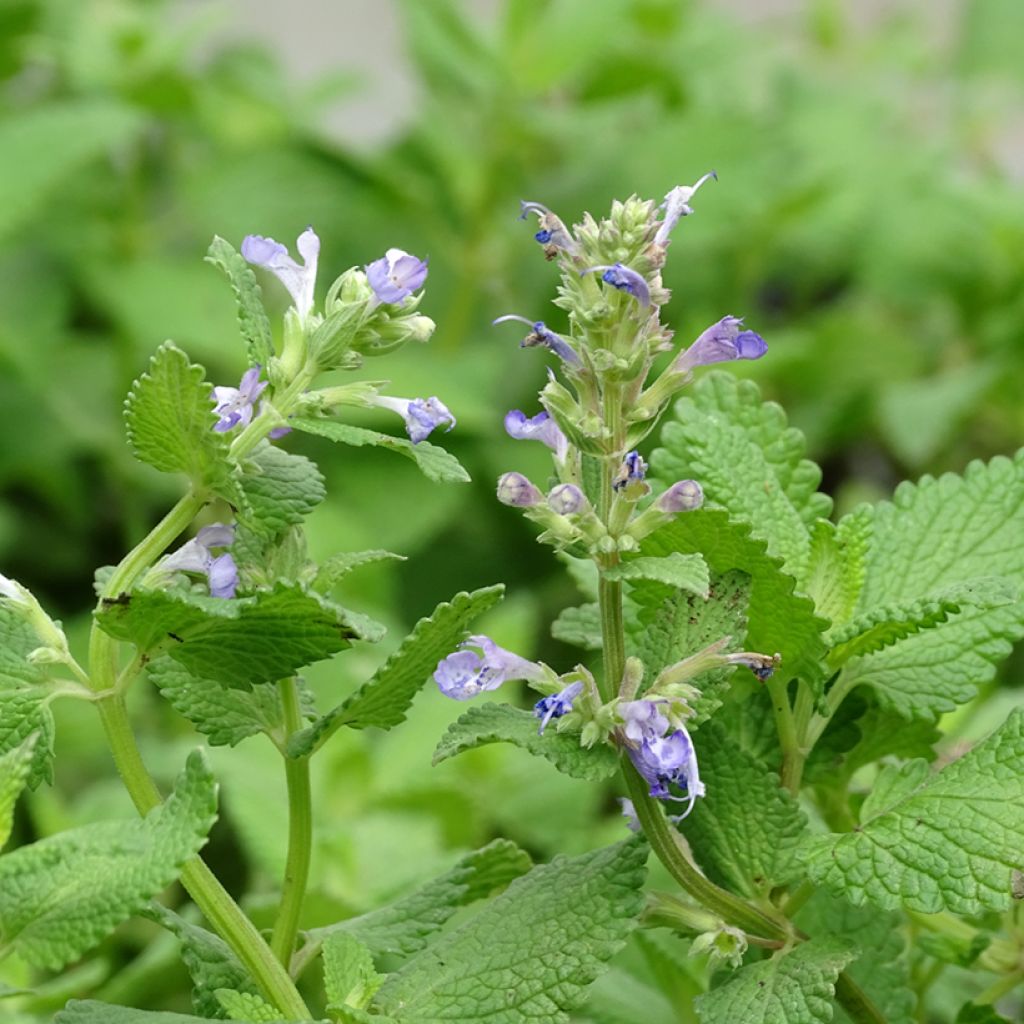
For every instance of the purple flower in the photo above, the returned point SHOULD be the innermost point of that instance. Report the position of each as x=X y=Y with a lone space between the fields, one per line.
x=762 y=665
x=632 y=471
x=552 y=231
x=567 y=500
x=720 y=343
x=677 y=206
x=466 y=673
x=537 y=428
x=299 y=280
x=556 y=705
x=682 y=496
x=629 y=813
x=396 y=275
x=625 y=280
x=643 y=720
x=234 y=406
x=666 y=762
x=196 y=555
x=422 y=415
x=516 y=490
x=541 y=335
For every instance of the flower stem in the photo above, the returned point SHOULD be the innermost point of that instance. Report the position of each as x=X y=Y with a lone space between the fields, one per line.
x=793 y=755
x=300 y=832
x=202 y=885
x=854 y=1000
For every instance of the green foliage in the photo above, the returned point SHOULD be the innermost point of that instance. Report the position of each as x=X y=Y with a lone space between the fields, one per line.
x=383 y=701
x=334 y=569
x=948 y=841
x=547 y=937
x=682 y=572
x=252 y=317
x=435 y=463
x=835 y=573
x=745 y=831
x=170 y=419
x=579 y=626
x=25 y=712
x=349 y=975
x=280 y=489
x=88 y=1011
x=502 y=723
x=15 y=766
x=239 y=642
x=246 y=1007
x=794 y=987
x=62 y=895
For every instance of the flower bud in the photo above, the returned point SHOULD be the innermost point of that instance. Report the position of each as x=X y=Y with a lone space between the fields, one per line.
x=515 y=490
x=567 y=500
x=682 y=496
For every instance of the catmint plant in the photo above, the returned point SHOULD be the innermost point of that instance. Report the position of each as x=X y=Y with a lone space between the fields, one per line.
x=758 y=686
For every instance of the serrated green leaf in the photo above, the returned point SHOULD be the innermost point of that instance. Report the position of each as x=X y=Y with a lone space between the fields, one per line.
x=978 y=1013
x=252 y=317
x=170 y=419
x=835 y=571
x=502 y=723
x=951 y=844
x=886 y=625
x=210 y=961
x=779 y=619
x=579 y=626
x=748 y=460
x=435 y=463
x=15 y=766
x=62 y=895
x=339 y=565
x=794 y=987
x=237 y=642
x=383 y=701
x=934 y=535
x=246 y=1007
x=405 y=926
x=746 y=830
x=350 y=978
x=47 y=144
x=88 y=1011
x=25 y=712
x=280 y=488
x=546 y=938
x=893 y=784
x=881 y=967
x=671 y=625
x=224 y=716
x=683 y=572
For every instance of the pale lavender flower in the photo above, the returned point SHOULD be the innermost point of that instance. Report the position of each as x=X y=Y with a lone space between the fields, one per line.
x=567 y=500
x=234 y=406
x=299 y=280
x=682 y=496
x=467 y=673
x=643 y=720
x=632 y=471
x=677 y=206
x=629 y=813
x=541 y=335
x=196 y=555
x=537 y=428
x=556 y=705
x=721 y=342
x=552 y=231
x=624 y=279
x=669 y=761
x=516 y=490
x=422 y=415
x=396 y=275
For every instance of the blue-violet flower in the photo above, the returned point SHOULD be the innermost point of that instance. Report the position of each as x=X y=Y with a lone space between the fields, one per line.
x=299 y=280
x=721 y=342
x=677 y=206
x=516 y=490
x=396 y=275
x=422 y=415
x=467 y=673
x=625 y=280
x=557 y=705
x=553 y=231
x=234 y=406
x=632 y=471
x=643 y=719
x=541 y=335
x=537 y=428
x=682 y=496
x=670 y=760
x=567 y=500
x=196 y=555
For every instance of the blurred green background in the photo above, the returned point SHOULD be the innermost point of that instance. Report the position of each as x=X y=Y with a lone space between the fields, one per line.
x=868 y=221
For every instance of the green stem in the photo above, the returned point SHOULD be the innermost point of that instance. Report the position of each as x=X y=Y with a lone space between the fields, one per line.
x=609 y=596
x=854 y=1000
x=300 y=832
x=792 y=753
x=202 y=885
x=1002 y=987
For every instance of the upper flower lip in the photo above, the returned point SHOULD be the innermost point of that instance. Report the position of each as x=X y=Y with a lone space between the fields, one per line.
x=300 y=280
x=396 y=275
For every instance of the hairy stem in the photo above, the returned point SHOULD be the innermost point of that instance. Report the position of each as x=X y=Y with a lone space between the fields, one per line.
x=792 y=752
x=300 y=832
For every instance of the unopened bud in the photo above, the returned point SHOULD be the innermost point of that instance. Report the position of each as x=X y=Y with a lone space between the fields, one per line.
x=567 y=500
x=682 y=496
x=515 y=490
